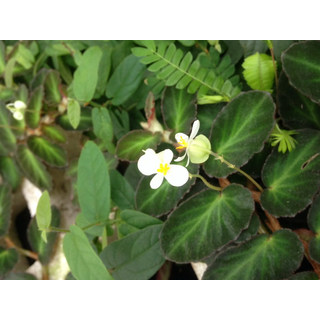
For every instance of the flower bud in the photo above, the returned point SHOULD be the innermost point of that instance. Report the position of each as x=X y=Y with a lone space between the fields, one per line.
x=199 y=149
x=210 y=99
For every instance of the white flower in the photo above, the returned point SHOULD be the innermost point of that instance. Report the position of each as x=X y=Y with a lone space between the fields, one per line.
x=159 y=164
x=17 y=108
x=197 y=149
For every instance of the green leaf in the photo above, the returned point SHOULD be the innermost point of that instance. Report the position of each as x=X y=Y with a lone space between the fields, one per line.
x=259 y=72
x=102 y=125
x=51 y=153
x=51 y=88
x=74 y=113
x=8 y=140
x=250 y=47
x=178 y=109
x=43 y=213
x=44 y=250
x=24 y=57
x=205 y=223
x=32 y=168
x=122 y=193
x=135 y=257
x=125 y=80
x=301 y=64
x=2 y=57
x=86 y=76
x=8 y=73
x=54 y=133
x=8 y=259
x=263 y=257
x=82 y=260
x=296 y=110
x=10 y=172
x=307 y=275
x=85 y=121
x=34 y=107
x=133 y=221
x=251 y=231
x=314 y=225
x=104 y=69
x=93 y=184
x=240 y=130
x=293 y=178
x=130 y=147
x=5 y=208
x=19 y=276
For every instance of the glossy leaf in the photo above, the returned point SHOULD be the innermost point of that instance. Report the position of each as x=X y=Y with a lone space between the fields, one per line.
x=125 y=80
x=240 y=130
x=54 y=133
x=74 y=113
x=8 y=259
x=51 y=88
x=93 y=184
x=137 y=256
x=130 y=146
x=82 y=260
x=85 y=121
x=10 y=172
x=8 y=140
x=205 y=223
x=293 y=178
x=301 y=64
x=263 y=257
x=5 y=208
x=178 y=109
x=86 y=76
x=32 y=168
x=33 y=112
x=297 y=111
x=49 y=152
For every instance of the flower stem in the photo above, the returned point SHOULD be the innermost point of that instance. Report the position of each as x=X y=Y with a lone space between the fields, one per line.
x=232 y=166
x=205 y=182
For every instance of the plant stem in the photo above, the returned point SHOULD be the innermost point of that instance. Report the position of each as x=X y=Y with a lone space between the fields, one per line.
x=24 y=252
x=205 y=182
x=10 y=127
x=232 y=166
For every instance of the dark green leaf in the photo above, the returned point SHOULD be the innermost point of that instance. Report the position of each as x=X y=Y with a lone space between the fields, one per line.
x=240 y=130
x=205 y=223
x=130 y=147
x=51 y=153
x=308 y=275
x=8 y=140
x=82 y=260
x=5 y=208
x=8 y=259
x=33 y=111
x=293 y=178
x=54 y=133
x=125 y=80
x=314 y=225
x=135 y=257
x=251 y=231
x=263 y=257
x=10 y=172
x=250 y=47
x=32 y=168
x=51 y=88
x=93 y=184
x=301 y=63
x=86 y=76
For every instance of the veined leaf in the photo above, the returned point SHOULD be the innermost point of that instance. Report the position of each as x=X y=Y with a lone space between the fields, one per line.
x=259 y=72
x=54 y=133
x=34 y=107
x=8 y=259
x=8 y=140
x=10 y=172
x=5 y=208
x=51 y=87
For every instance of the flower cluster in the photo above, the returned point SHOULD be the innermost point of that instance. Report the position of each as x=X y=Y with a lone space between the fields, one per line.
x=17 y=108
x=197 y=149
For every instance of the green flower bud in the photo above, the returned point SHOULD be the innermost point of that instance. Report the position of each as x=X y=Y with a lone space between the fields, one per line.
x=199 y=149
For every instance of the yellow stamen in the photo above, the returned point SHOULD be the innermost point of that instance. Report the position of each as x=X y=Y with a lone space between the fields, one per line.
x=183 y=144
x=163 y=169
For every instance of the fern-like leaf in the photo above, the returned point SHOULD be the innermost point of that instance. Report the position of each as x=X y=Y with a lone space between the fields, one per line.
x=179 y=70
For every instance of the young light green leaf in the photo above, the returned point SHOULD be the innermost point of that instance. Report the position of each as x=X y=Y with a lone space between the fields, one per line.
x=82 y=260
x=74 y=112
x=43 y=213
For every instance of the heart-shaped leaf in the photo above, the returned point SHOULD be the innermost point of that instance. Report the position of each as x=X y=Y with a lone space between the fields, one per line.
x=178 y=109
x=51 y=153
x=33 y=111
x=301 y=63
x=10 y=172
x=130 y=147
x=137 y=256
x=32 y=168
x=251 y=231
x=293 y=178
x=240 y=130
x=5 y=208
x=261 y=258
x=297 y=111
x=205 y=223
x=8 y=259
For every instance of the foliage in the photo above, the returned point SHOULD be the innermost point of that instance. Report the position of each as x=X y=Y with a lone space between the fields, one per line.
x=249 y=210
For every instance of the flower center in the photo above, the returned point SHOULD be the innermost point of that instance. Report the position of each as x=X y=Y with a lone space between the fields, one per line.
x=163 y=169
x=183 y=144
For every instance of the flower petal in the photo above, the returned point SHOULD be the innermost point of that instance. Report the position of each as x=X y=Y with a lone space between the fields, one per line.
x=167 y=156
x=195 y=129
x=177 y=175
x=149 y=163
x=156 y=181
x=181 y=158
x=180 y=135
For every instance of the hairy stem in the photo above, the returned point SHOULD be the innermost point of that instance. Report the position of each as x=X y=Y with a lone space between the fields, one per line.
x=205 y=182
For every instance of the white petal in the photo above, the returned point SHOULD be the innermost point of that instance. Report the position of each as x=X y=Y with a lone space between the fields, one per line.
x=180 y=135
x=195 y=129
x=156 y=181
x=181 y=158
x=167 y=156
x=149 y=163
x=177 y=175
x=19 y=104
